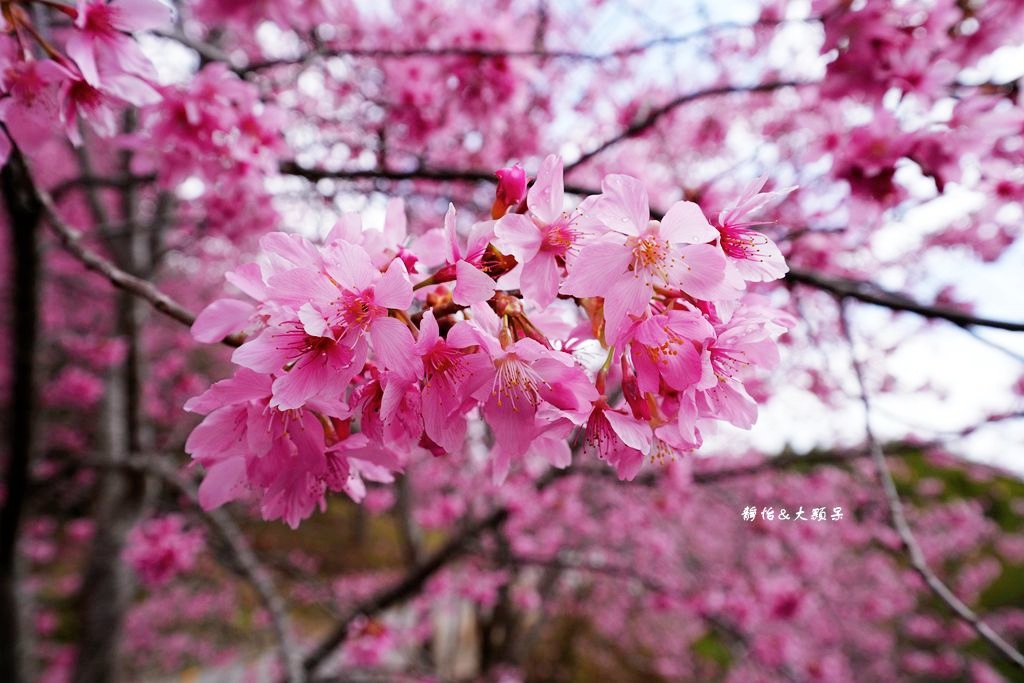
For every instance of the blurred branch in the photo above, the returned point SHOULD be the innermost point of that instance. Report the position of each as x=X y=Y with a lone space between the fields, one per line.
x=872 y=294
x=902 y=527
x=440 y=175
x=71 y=239
x=487 y=54
x=646 y=123
x=220 y=523
x=406 y=587
x=415 y=578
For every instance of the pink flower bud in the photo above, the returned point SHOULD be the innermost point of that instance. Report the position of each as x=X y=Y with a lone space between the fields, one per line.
x=511 y=189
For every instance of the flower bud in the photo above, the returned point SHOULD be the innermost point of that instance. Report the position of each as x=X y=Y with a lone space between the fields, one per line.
x=511 y=189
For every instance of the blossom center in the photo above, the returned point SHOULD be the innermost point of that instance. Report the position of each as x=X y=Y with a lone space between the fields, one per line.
x=517 y=382
x=558 y=237
x=358 y=308
x=743 y=244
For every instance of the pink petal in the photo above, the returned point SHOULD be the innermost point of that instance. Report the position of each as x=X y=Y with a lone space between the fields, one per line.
x=596 y=268
x=627 y=296
x=248 y=278
x=517 y=235
x=700 y=271
x=540 y=279
x=623 y=205
x=393 y=344
x=350 y=265
x=394 y=290
x=295 y=249
x=547 y=196
x=141 y=15
x=81 y=48
x=268 y=352
x=298 y=286
x=685 y=222
x=221 y=318
x=471 y=285
x=223 y=483
x=633 y=432
x=453 y=252
x=312 y=321
x=446 y=430
x=428 y=334
x=246 y=385
x=348 y=228
x=306 y=379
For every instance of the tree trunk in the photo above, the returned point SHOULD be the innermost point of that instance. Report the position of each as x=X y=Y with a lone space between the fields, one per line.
x=24 y=215
x=122 y=493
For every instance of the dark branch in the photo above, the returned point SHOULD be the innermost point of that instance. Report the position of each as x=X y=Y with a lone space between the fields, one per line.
x=871 y=294
x=71 y=239
x=645 y=124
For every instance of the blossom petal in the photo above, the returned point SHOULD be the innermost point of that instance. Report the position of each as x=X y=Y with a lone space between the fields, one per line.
x=547 y=195
x=540 y=280
x=393 y=344
x=685 y=222
x=471 y=285
x=596 y=268
x=223 y=483
x=394 y=290
x=623 y=205
x=518 y=235
x=221 y=318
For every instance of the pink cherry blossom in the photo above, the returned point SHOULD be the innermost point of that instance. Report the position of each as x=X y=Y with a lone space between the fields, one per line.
x=752 y=254
x=541 y=239
x=638 y=254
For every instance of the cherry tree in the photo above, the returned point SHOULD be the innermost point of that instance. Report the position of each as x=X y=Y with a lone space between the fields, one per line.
x=511 y=341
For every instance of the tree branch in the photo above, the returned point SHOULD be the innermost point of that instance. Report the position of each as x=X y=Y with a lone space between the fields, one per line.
x=872 y=294
x=537 y=53
x=414 y=580
x=643 y=125
x=902 y=527
x=221 y=524
x=866 y=292
x=71 y=239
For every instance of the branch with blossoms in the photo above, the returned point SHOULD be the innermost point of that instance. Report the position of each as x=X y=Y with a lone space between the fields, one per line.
x=866 y=292
x=349 y=368
x=99 y=70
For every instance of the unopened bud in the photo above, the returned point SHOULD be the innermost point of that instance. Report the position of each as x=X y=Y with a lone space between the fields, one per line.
x=511 y=189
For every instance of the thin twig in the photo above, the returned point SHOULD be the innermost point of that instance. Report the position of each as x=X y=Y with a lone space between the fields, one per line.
x=537 y=53
x=643 y=125
x=902 y=527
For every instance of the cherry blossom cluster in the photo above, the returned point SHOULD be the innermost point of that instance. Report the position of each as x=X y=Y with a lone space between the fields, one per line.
x=98 y=69
x=161 y=548
x=369 y=345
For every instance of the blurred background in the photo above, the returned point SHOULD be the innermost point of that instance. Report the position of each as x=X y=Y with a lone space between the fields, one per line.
x=900 y=123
